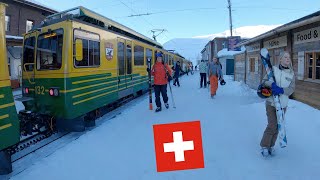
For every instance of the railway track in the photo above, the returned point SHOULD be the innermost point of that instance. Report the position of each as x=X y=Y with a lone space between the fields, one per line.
x=45 y=146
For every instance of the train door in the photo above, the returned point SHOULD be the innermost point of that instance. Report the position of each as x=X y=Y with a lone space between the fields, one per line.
x=124 y=67
x=128 y=64
x=28 y=67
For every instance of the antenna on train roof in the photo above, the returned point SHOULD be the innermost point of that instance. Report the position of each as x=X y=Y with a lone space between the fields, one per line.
x=156 y=30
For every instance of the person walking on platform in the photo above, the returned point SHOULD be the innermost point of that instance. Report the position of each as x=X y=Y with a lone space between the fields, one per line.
x=162 y=73
x=203 y=68
x=177 y=69
x=191 y=69
x=284 y=87
x=187 y=69
x=214 y=72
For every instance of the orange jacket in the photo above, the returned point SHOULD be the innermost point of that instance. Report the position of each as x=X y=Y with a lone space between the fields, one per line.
x=159 y=73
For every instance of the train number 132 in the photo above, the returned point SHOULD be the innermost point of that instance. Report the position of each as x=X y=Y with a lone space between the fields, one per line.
x=39 y=90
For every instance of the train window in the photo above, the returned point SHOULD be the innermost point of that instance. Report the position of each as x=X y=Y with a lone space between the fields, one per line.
x=91 y=54
x=49 y=50
x=28 y=53
x=90 y=49
x=166 y=59
x=129 y=59
x=138 y=55
x=121 y=64
x=149 y=54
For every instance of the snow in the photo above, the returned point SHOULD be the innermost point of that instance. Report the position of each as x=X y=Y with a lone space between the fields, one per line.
x=191 y=48
x=244 y=32
x=17 y=93
x=41 y=4
x=225 y=52
x=232 y=126
x=13 y=37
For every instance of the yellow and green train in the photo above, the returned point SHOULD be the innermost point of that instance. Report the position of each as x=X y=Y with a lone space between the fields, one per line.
x=75 y=65
x=9 y=123
x=78 y=61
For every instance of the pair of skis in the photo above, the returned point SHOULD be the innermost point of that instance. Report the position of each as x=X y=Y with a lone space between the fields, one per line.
x=265 y=57
x=150 y=84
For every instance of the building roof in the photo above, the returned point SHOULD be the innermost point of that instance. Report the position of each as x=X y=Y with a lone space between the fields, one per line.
x=38 y=5
x=311 y=18
x=14 y=37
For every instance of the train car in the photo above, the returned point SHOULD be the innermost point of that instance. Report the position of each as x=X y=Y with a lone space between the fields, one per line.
x=78 y=61
x=9 y=123
x=75 y=65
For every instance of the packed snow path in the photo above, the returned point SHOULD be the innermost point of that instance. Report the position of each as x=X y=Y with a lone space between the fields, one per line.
x=232 y=125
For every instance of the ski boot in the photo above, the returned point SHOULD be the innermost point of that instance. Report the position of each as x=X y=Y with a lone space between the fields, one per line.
x=166 y=105
x=158 y=109
x=265 y=152
x=271 y=151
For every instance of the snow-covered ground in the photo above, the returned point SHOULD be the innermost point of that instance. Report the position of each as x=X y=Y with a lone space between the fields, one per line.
x=232 y=125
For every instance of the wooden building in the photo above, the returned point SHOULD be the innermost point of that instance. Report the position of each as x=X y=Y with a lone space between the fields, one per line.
x=301 y=39
x=212 y=48
x=21 y=16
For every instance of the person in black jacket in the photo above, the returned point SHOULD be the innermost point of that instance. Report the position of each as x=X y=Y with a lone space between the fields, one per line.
x=177 y=70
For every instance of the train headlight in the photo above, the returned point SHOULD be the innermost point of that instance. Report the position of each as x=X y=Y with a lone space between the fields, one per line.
x=26 y=90
x=51 y=92
x=54 y=92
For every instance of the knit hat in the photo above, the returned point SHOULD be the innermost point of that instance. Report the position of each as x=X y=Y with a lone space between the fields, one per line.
x=159 y=54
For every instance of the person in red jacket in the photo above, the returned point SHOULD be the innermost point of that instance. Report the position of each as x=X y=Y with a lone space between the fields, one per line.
x=161 y=73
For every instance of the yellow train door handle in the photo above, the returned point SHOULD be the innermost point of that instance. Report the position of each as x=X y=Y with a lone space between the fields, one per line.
x=25 y=69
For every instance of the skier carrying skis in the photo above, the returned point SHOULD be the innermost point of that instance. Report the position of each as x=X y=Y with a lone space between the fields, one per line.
x=162 y=74
x=214 y=72
x=177 y=69
x=284 y=86
x=203 y=73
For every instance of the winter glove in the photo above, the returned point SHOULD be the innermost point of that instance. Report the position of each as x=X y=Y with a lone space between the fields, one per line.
x=148 y=70
x=276 y=90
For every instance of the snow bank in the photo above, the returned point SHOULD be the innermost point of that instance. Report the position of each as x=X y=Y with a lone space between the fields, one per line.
x=225 y=52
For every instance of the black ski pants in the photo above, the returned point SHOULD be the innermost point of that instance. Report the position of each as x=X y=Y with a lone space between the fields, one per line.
x=203 y=79
x=176 y=80
x=163 y=90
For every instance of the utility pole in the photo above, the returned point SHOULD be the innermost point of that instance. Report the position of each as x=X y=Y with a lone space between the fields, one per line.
x=230 y=17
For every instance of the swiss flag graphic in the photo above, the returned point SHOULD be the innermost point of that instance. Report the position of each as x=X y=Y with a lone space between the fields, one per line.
x=178 y=146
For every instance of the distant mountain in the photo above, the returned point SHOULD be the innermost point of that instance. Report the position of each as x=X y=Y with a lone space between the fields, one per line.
x=191 y=48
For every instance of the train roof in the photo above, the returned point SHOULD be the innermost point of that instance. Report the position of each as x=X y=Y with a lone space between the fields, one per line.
x=86 y=15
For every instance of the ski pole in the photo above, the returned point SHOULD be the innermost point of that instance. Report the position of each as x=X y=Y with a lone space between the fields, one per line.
x=174 y=106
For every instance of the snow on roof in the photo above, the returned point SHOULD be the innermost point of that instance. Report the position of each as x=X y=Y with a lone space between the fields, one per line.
x=225 y=52
x=40 y=4
x=13 y=37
